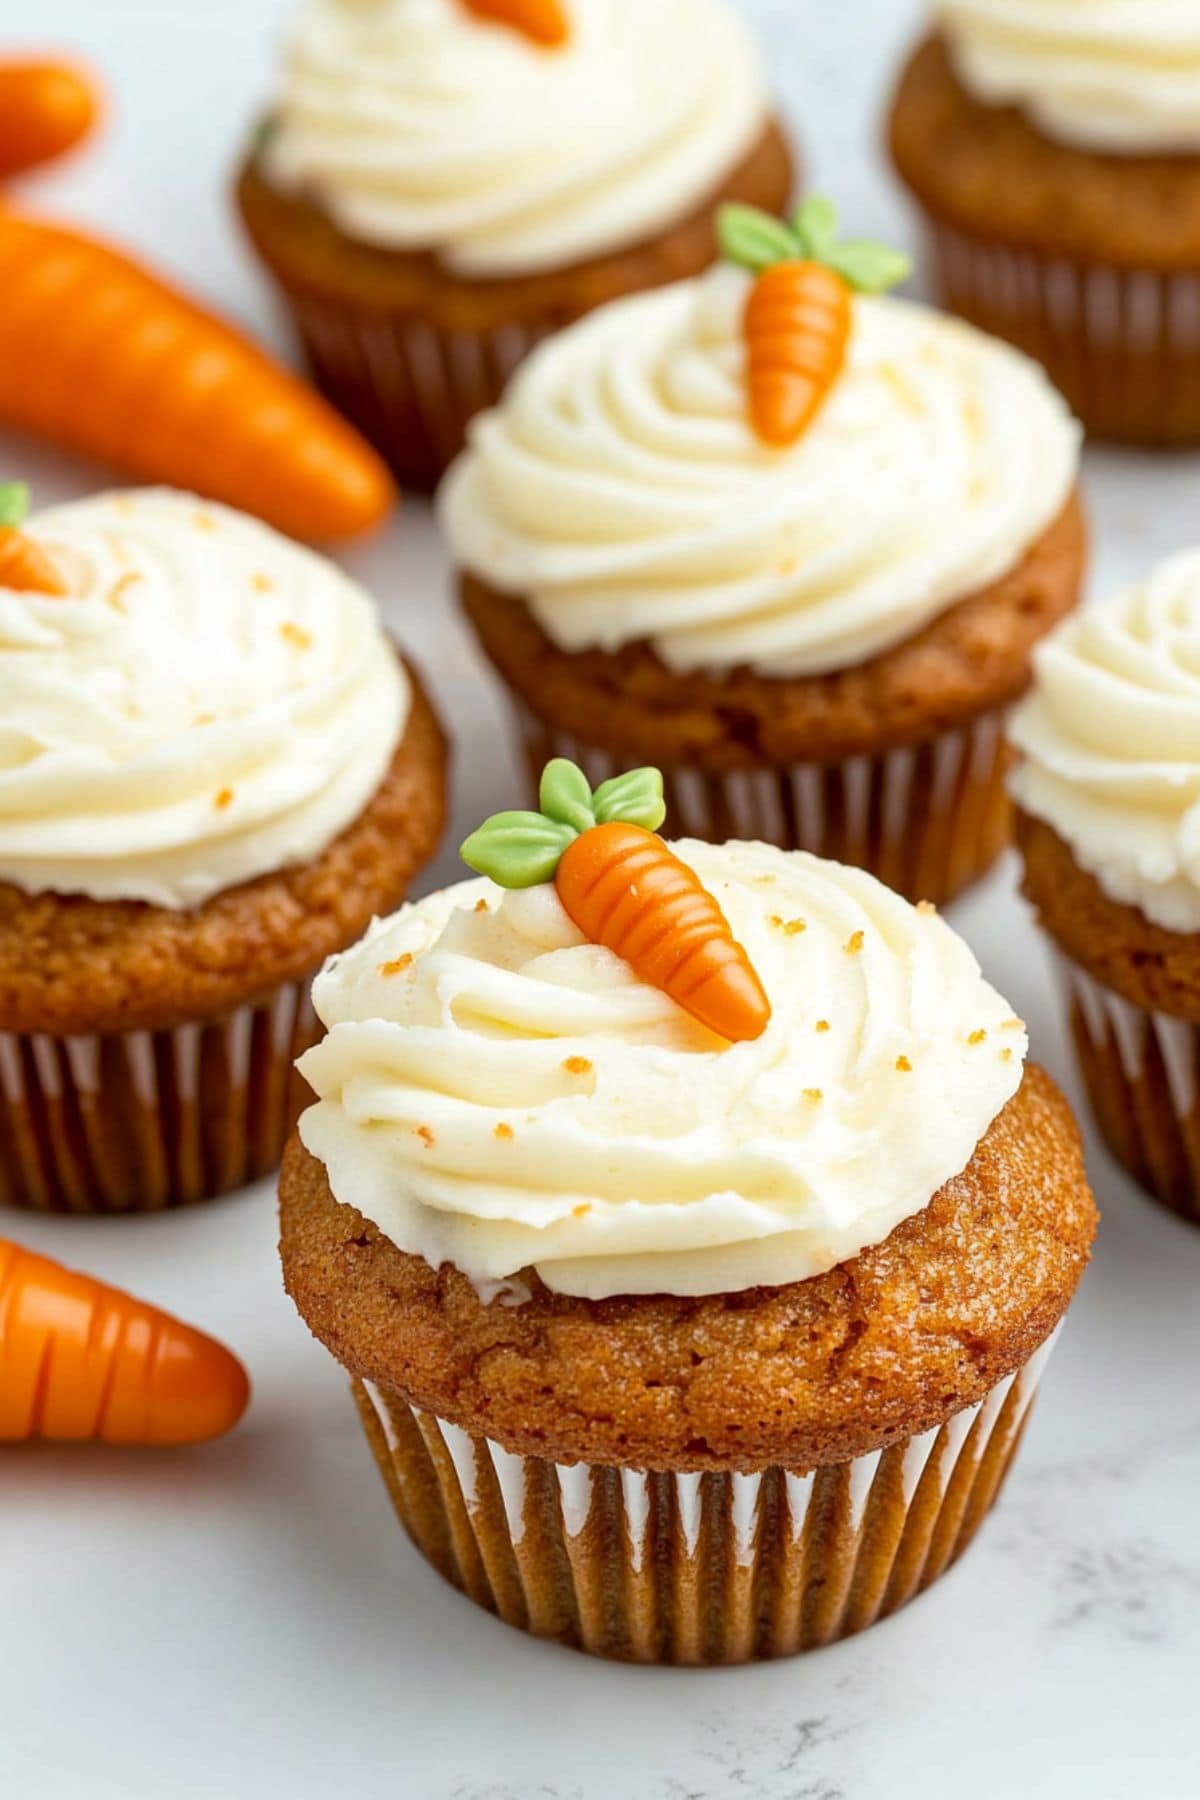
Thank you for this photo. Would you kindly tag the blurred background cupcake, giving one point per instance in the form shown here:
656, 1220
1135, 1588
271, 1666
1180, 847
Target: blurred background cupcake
214, 771
1054, 149
438, 186
815, 638
670, 1348
1109, 824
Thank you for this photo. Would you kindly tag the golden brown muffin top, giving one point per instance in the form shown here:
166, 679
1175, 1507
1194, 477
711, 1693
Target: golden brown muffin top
891, 1343
69, 964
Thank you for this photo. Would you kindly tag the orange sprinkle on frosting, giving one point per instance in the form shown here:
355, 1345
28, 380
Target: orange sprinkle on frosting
224, 799
426, 1136
855, 943
503, 1131
977, 1037
295, 635
397, 965
903, 1065
577, 1065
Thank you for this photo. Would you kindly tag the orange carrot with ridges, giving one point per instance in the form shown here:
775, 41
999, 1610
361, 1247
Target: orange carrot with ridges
24, 565
623, 887
103, 358
800, 311
46, 108
542, 20
81, 1360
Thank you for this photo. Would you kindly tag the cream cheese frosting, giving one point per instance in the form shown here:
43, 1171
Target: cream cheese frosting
496, 1092
1117, 76
1111, 742
620, 489
208, 702
419, 126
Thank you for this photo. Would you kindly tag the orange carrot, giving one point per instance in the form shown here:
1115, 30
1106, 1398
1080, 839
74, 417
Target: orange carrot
46, 108
79, 1360
624, 888
797, 328
800, 311
542, 20
103, 358
24, 565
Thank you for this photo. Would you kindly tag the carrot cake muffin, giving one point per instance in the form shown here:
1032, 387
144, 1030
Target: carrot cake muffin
440, 184
1109, 823
214, 771
672, 1347
815, 638
1053, 147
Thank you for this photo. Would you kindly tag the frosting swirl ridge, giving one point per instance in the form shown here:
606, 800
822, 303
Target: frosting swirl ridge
421, 127
496, 1092
1112, 75
619, 486
1111, 742
207, 702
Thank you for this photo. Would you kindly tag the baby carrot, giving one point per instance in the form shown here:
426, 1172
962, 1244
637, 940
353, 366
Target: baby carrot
79, 1360
46, 108
103, 358
542, 20
24, 565
623, 887
800, 313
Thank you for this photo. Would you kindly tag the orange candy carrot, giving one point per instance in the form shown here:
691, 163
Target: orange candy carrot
542, 20
46, 108
624, 888
101, 357
79, 1360
800, 312
24, 565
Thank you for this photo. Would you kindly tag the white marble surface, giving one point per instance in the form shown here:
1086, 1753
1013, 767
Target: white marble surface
249, 1621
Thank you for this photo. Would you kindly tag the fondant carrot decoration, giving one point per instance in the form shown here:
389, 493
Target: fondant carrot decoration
101, 357
626, 889
544, 21
46, 108
24, 565
800, 310
79, 1360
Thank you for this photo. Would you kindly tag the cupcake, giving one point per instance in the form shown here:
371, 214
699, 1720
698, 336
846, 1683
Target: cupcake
214, 771
690, 1227
442, 183
808, 595
1108, 793
1053, 147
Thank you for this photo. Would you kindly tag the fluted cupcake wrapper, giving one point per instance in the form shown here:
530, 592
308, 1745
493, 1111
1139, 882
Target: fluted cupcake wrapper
1122, 345
1142, 1073
694, 1568
410, 387
141, 1120
928, 819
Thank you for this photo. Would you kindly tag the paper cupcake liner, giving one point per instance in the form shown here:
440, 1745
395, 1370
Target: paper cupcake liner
694, 1568
1142, 1073
1122, 345
143, 1120
410, 387
928, 819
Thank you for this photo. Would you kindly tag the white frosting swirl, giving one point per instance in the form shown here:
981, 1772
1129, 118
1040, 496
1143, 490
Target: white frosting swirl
621, 490
420, 126
1119, 76
207, 703
1111, 739
498, 1093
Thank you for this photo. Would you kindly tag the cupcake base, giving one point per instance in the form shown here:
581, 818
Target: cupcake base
1142, 1073
928, 819
139, 1121
695, 1569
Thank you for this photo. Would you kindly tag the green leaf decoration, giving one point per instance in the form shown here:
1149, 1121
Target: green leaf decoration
517, 849
869, 268
815, 224
633, 799
14, 504
565, 795
754, 239
757, 241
